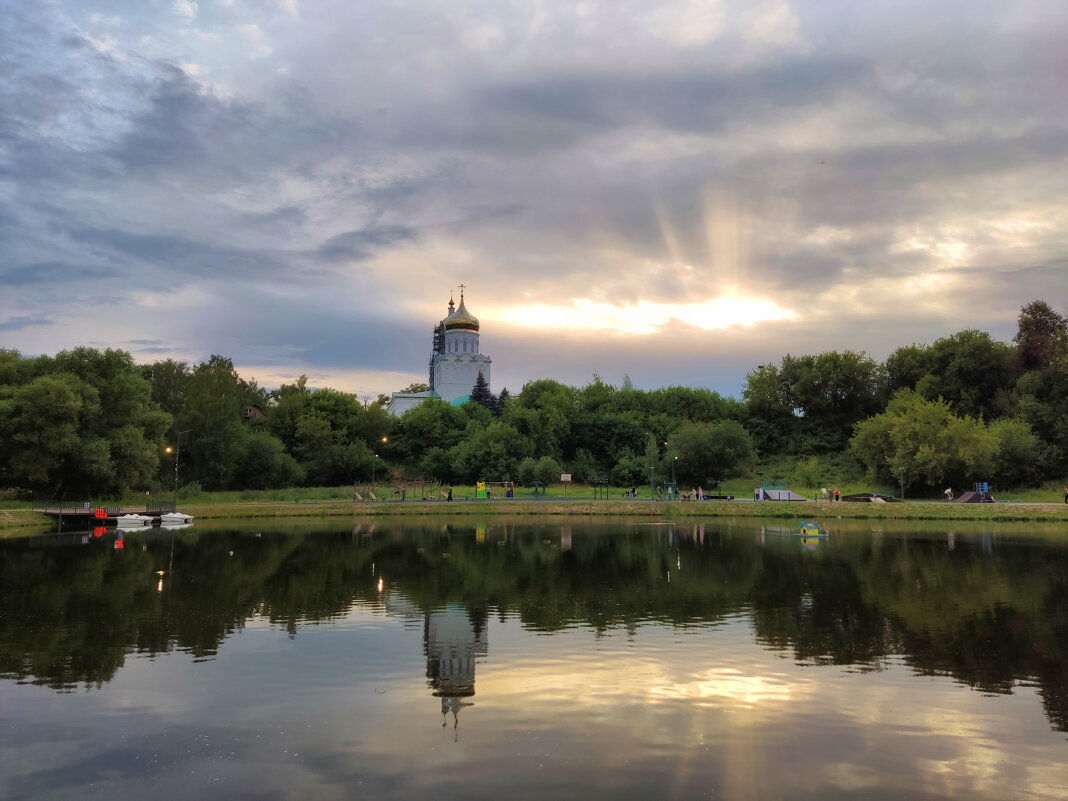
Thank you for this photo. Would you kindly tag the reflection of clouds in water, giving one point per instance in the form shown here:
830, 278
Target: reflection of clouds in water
946, 740
734, 687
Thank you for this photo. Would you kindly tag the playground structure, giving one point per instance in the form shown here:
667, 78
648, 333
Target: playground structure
776, 491
417, 490
981, 494
494, 490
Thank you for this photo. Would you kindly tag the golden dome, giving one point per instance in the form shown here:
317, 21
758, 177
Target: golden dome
461, 319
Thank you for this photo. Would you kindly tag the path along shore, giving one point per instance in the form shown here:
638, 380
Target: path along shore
23, 522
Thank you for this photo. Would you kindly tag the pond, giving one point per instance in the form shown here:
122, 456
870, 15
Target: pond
535, 660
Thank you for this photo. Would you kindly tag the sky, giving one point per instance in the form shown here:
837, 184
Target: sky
674, 193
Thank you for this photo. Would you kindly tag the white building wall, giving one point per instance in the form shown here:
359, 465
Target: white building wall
461, 342
455, 374
400, 402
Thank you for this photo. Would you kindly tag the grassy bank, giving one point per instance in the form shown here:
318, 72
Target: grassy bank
636, 508
21, 522
738, 488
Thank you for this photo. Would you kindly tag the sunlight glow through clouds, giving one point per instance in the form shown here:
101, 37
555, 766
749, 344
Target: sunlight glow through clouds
645, 317
932, 292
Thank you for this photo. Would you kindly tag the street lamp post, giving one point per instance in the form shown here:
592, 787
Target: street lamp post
375, 461
177, 448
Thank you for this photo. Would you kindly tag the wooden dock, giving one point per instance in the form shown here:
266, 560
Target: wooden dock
95, 515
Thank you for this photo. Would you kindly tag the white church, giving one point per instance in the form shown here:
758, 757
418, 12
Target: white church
454, 362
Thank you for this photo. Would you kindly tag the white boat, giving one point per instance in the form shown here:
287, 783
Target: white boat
175, 518
134, 521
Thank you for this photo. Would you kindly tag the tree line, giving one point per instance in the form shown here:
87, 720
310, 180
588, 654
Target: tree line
94, 423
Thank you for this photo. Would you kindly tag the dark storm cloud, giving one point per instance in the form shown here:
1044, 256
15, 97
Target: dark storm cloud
191, 256
261, 327
24, 322
54, 272
285, 216
185, 130
170, 132
362, 244
676, 100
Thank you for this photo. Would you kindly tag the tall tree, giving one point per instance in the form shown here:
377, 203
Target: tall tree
920, 442
480, 394
972, 372
906, 366
711, 451
1040, 333
212, 415
80, 424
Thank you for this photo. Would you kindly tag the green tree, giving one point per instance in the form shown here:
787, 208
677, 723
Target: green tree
548, 471
213, 415
770, 408
712, 451
972, 372
266, 465
1041, 333
528, 471
629, 470
1022, 459
83, 423
480, 394
492, 453
922, 443
810, 403
170, 381
287, 404
432, 424
436, 464
906, 366
555, 410
584, 467
831, 391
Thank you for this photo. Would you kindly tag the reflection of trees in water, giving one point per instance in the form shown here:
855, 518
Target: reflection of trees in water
990, 619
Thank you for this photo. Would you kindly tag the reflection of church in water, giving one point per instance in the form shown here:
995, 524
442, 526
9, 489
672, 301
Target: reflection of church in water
453, 640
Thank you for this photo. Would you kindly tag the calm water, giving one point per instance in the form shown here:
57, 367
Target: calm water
621, 661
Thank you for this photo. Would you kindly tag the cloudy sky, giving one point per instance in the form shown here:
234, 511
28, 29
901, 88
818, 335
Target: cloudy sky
676, 192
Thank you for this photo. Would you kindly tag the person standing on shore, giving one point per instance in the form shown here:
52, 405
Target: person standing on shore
837, 495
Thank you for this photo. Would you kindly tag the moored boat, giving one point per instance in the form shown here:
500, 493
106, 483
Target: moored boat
133, 521
175, 518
